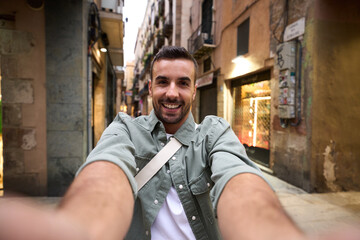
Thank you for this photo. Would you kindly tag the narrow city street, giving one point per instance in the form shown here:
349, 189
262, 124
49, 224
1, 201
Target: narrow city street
282, 75
314, 213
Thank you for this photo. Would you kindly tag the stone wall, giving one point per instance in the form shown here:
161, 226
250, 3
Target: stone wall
66, 42
22, 57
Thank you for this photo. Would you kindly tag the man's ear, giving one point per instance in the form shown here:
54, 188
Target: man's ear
194, 94
150, 89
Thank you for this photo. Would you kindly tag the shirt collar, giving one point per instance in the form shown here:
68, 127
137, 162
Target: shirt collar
185, 132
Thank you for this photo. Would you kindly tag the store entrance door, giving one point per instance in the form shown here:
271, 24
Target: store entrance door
252, 119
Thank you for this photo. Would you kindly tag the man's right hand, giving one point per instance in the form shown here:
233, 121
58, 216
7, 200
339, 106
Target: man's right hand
20, 220
98, 206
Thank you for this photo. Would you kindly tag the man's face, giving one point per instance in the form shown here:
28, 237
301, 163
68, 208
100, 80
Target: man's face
173, 91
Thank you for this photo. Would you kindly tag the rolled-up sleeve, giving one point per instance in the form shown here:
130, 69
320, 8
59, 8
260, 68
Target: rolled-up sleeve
227, 158
115, 146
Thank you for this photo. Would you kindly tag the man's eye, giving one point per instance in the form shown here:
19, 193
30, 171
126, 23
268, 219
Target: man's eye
162, 82
184, 83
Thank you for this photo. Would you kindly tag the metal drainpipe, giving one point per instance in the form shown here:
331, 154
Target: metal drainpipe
88, 102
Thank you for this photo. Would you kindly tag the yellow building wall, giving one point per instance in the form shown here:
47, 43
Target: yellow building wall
335, 102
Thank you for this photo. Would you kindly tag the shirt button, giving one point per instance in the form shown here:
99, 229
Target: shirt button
193, 218
168, 171
173, 158
181, 186
208, 184
137, 169
162, 144
156, 201
147, 233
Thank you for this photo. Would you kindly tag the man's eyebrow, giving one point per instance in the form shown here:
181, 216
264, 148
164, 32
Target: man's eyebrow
160, 77
185, 79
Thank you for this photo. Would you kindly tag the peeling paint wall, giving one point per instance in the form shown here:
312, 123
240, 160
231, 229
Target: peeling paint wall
336, 102
330, 166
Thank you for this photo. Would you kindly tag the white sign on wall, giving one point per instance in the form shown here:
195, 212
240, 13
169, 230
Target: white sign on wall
294, 30
205, 80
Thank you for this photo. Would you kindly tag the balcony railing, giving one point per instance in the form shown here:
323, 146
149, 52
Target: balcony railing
201, 42
161, 7
158, 42
168, 26
147, 61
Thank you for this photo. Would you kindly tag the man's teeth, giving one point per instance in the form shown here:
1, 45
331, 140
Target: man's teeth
171, 106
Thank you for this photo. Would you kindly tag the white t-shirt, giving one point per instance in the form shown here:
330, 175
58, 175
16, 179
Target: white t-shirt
171, 221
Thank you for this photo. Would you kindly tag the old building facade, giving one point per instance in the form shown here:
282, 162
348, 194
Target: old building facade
58, 88
281, 72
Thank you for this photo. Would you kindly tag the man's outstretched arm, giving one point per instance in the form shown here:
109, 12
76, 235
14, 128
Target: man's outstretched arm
249, 209
98, 205
102, 200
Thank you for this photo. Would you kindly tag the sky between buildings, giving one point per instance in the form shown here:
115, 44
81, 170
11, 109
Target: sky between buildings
134, 11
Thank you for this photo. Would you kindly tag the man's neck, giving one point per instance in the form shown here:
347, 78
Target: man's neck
172, 128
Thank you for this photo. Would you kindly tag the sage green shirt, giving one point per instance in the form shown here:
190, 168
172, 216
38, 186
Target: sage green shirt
210, 156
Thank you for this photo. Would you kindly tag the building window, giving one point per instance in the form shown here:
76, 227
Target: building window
243, 38
207, 65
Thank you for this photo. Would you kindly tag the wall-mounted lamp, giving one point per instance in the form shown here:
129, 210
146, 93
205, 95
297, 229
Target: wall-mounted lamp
242, 66
105, 42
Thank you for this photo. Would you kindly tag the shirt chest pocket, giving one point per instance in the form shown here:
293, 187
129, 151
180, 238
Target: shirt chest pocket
202, 183
141, 162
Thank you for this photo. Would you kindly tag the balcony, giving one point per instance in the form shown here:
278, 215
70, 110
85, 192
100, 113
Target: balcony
168, 26
112, 25
142, 74
147, 61
161, 7
149, 41
201, 43
158, 42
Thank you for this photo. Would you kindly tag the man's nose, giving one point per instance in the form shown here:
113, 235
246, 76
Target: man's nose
172, 91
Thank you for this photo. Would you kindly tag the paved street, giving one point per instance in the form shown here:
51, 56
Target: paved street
317, 212
314, 213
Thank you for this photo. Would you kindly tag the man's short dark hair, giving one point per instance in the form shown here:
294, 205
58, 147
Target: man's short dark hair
173, 52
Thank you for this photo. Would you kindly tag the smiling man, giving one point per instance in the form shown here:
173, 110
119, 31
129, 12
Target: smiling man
208, 180
173, 91
208, 185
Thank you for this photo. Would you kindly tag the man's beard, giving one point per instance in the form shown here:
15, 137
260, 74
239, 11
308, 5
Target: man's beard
163, 118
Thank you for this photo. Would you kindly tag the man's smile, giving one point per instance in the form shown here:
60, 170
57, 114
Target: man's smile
171, 105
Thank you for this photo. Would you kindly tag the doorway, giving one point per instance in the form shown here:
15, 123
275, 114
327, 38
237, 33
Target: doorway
251, 119
208, 100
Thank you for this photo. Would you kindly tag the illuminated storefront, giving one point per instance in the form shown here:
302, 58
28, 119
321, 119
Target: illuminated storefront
251, 117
